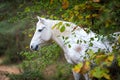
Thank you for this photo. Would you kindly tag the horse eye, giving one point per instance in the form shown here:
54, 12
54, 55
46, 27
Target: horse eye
40, 30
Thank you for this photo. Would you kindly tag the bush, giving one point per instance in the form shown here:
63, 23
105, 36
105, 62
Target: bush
27, 75
46, 59
13, 40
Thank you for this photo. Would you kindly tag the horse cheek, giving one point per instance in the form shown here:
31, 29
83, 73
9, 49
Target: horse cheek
46, 35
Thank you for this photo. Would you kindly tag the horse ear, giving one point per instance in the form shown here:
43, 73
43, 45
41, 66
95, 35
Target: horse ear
42, 20
38, 17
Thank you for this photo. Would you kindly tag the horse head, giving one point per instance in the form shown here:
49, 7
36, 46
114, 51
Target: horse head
41, 35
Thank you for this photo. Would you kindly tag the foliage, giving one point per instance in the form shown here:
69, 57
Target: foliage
44, 57
40, 60
63, 72
12, 40
98, 65
27, 75
95, 15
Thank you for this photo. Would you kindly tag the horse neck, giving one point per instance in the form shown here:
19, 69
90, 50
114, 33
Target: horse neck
57, 35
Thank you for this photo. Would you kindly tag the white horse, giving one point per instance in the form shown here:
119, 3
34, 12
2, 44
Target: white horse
74, 40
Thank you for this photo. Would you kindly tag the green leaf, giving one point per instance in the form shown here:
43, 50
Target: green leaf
27, 9
67, 24
63, 37
99, 72
119, 39
91, 39
54, 26
118, 59
59, 24
62, 29
91, 54
84, 41
69, 46
66, 38
91, 44
78, 41
100, 58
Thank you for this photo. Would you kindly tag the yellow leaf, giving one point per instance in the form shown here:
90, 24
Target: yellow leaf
86, 67
107, 24
94, 15
106, 76
110, 58
76, 7
80, 17
51, 1
54, 26
78, 67
88, 16
100, 58
65, 4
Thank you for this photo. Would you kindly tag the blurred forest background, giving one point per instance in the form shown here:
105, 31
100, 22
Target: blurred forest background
17, 25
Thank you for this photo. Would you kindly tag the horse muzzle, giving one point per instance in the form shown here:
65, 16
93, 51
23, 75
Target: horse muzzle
34, 47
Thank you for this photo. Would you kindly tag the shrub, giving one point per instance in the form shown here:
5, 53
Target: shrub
27, 75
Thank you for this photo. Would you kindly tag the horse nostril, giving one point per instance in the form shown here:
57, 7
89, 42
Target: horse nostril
36, 48
31, 47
